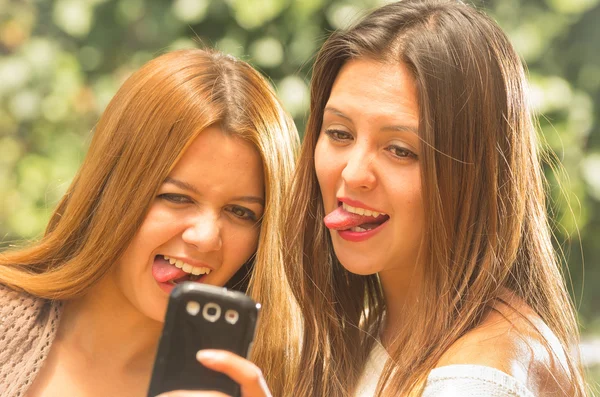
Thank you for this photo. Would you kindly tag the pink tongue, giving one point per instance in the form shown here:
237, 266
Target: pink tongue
340, 219
163, 271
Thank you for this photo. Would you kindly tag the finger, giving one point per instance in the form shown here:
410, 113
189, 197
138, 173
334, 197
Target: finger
190, 393
242, 371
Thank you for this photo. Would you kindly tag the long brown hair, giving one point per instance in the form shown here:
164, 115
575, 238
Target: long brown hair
146, 127
483, 192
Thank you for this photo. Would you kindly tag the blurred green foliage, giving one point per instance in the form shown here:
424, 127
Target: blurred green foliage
61, 61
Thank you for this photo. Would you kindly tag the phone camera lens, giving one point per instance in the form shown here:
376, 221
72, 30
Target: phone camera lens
211, 312
231, 316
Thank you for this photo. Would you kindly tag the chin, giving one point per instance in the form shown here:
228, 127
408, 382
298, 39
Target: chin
158, 317
355, 263
358, 267
156, 310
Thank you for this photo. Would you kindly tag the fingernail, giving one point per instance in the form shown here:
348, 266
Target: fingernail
207, 356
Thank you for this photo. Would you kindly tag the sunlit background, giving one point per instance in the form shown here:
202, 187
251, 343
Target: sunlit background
61, 62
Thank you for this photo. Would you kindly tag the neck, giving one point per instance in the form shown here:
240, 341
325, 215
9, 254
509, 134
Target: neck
104, 328
400, 289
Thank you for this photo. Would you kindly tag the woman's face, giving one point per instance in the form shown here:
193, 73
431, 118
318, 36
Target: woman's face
367, 165
203, 225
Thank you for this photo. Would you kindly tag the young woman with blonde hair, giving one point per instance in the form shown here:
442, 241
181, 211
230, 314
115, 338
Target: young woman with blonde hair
183, 180
417, 237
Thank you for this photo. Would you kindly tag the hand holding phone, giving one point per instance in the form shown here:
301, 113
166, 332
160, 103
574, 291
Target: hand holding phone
201, 317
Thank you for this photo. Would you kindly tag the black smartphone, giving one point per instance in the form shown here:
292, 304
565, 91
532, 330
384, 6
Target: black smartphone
201, 316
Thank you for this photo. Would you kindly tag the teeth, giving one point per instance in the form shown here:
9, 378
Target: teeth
200, 270
186, 267
357, 229
361, 211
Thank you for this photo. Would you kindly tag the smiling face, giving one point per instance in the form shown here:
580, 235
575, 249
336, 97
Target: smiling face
203, 225
367, 165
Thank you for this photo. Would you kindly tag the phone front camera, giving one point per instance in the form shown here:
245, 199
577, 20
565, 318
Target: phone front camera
211, 312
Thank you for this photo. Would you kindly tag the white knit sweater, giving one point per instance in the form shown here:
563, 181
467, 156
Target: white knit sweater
448, 381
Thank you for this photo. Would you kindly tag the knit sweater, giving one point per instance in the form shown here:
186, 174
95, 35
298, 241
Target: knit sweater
27, 328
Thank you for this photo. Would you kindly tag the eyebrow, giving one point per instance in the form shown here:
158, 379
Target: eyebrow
189, 187
401, 128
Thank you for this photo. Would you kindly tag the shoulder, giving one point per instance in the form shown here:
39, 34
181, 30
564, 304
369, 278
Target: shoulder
27, 327
20, 310
15, 303
473, 381
513, 339
20, 315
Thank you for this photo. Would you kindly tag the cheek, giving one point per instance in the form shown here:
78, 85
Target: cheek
252, 242
319, 161
326, 166
157, 228
241, 245
163, 223
406, 194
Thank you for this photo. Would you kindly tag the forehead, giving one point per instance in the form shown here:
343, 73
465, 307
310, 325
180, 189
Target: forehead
370, 86
225, 162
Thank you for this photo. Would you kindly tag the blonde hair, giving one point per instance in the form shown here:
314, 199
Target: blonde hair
145, 129
483, 193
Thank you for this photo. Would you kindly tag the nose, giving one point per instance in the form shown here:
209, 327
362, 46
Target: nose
204, 233
358, 172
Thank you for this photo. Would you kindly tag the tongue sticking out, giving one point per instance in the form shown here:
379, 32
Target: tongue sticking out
163, 271
340, 219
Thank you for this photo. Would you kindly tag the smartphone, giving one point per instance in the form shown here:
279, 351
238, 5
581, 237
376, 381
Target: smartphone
201, 316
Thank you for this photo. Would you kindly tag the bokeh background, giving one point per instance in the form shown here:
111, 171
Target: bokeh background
61, 62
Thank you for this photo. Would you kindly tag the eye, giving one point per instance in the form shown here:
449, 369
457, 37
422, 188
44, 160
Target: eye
242, 213
401, 152
338, 135
175, 198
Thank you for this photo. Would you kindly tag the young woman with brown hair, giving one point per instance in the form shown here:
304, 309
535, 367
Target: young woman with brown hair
437, 274
183, 180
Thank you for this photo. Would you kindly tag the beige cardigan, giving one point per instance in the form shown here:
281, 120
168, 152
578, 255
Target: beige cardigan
27, 328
